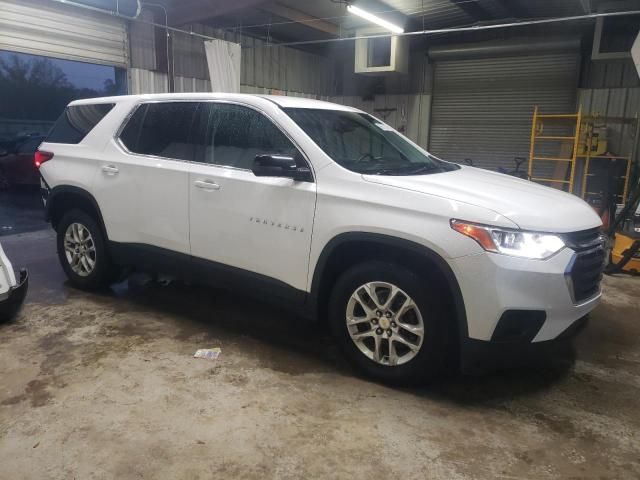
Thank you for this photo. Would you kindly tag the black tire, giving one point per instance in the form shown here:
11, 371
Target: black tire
430, 360
104, 271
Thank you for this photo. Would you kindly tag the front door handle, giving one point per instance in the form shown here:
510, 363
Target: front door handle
206, 185
110, 169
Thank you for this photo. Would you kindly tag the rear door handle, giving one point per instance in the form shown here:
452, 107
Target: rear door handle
206, 185
110, 170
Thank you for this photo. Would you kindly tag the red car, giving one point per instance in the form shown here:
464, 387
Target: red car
17, 165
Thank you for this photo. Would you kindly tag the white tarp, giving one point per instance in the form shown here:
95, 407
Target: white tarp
223, 59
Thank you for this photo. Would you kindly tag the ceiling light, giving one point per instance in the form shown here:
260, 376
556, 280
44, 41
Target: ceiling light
374, 19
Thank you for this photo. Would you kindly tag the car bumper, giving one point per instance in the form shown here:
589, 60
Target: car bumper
513, 303
479, 356
11, 301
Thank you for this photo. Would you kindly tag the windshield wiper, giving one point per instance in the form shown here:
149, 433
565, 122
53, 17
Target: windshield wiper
397, 171
424, 169
401, 170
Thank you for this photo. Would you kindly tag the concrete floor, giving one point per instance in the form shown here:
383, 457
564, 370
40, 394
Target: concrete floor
105, 386
21, 210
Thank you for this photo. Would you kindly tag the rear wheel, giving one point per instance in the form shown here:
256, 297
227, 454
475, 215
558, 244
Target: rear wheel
389, 322
82, 251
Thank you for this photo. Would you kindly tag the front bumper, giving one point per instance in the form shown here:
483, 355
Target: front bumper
14, 298
492, 284
536, 294
478, 356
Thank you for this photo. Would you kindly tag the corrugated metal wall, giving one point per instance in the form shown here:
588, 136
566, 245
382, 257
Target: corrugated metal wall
62, 31
263, 66
611, 74
612, 88
147, 81
142, 43
285, 68
290, 93
482, 107
418, 80
615, 102
188, 84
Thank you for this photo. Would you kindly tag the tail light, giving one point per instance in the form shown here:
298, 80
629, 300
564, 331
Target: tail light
40, 157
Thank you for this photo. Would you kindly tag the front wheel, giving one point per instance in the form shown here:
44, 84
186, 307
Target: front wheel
82, 251
389, 322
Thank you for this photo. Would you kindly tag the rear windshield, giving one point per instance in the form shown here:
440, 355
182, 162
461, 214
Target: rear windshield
76, 121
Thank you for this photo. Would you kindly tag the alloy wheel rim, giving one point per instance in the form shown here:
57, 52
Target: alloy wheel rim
80, 249
385, 323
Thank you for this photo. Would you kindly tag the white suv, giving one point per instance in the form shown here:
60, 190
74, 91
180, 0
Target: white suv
328, 211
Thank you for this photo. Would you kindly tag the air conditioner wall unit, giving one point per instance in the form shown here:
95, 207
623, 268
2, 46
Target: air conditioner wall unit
382, 53
613, 35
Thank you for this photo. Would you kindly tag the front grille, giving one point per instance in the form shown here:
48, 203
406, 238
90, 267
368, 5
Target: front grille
585, 273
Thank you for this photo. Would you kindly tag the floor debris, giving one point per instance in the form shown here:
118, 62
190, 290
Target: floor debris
208, 353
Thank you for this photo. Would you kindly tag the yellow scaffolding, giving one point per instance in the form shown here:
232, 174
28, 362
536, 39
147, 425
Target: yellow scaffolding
572, 121
581, 125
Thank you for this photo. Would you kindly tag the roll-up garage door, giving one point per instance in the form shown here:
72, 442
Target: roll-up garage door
62, 31
482, 107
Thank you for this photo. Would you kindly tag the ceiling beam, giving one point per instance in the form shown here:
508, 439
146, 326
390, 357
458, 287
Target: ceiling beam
474, 9
513, 9
307, 20
199, 11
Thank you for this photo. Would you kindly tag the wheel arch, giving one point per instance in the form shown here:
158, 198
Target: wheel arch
65, 197
347, 249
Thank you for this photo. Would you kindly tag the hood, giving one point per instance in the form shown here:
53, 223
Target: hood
530, 205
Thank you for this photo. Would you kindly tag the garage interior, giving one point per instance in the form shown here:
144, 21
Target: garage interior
104, 385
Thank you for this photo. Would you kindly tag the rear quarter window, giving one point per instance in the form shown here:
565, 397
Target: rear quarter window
162, 130
77, 121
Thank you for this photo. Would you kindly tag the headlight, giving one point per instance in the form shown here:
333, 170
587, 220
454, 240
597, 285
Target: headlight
516, 243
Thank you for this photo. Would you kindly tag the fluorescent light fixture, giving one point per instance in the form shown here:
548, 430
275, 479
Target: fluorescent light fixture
374, 19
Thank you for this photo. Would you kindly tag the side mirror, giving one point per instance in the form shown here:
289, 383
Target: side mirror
280, 166
3, 152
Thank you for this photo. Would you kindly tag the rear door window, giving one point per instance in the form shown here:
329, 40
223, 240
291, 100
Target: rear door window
76, 121
162, 130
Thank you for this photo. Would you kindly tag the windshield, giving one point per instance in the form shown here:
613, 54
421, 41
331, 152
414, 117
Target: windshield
363, 144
